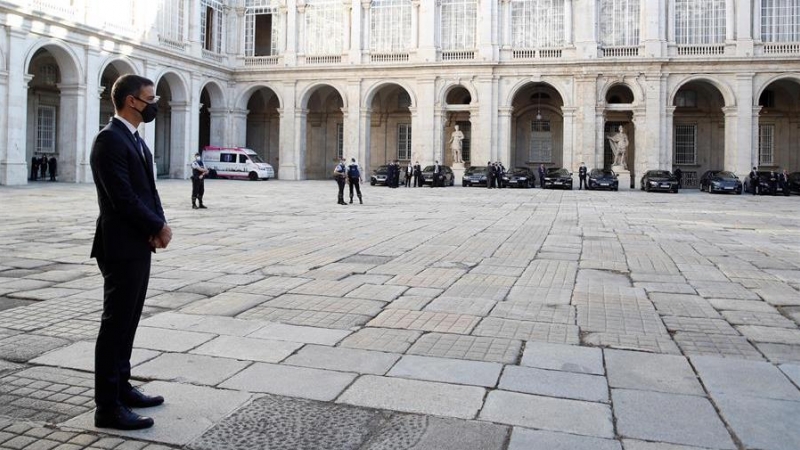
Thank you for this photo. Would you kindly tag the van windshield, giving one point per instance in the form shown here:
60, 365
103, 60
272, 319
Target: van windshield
255, 158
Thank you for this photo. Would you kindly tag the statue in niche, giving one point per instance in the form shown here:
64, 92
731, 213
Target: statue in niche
455, 144
619, 145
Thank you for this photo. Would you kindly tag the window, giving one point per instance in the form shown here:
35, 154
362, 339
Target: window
537, 23
780, 20
686, 99
541, 142
263, 28
324, 27
211, 20
170, 19
227, 157
699, 22
685, 144
48, 74
766, 145
46, 129
390, 26
242, 159
459, 20
340, 140
619, 22
404, 141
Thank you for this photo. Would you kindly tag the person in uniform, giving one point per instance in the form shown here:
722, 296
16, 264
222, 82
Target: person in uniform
390, 169
199, 172
754, 180
52, 166
582, 176
354, 179
417, 174
396, 173
340, 175
542, 174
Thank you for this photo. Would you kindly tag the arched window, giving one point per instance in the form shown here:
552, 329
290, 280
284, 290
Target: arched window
619, 23
537, 23
171, 20
263, 28
699, 22
780, 20
459, 20
324, 27
390, 25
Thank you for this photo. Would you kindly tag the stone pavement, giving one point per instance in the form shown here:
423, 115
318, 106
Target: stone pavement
426, 319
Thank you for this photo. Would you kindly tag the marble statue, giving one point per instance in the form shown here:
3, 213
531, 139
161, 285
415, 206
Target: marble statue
619, 145
455, 144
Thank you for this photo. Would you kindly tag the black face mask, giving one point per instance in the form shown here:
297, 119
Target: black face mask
149, 112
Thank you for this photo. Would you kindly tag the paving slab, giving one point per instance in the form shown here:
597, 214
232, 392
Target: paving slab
298, 333
467, 347
779, 353
225, 304
327, 304
343, 359
724, 304
547, 413
425, 321
173, 300
525, 439
634, 444
651, 372
654, 344
552, 383
693, 343
535, 312
80, 356
412, 432
166, 340
409, 303
529, 331
773, 335
547, 295
303, 382
566, 358
321, 319
447, 370
792, 371
683, 305
382, 339
24, 347
248, 349
699, 325
414, 396
202, 324
773, 427
744, 378
458, 305
767, 319
46, 394
721, 289
185, 415
377, 292
678, 419
187, 368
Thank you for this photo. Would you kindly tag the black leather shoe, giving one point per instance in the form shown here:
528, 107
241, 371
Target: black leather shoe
136, 399
202, 206
121, 418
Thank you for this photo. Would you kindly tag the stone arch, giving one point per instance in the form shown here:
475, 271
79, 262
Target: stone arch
449, 87
634, 88
780, 77
177, 84
519, 85
306, 94
122, 65
243, 98
377, 87
215, 92
68, 62
727, 93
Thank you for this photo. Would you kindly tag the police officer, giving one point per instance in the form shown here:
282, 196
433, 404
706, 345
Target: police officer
34, 168
340, 175
354, 179
754, 180
199, 172
582, 176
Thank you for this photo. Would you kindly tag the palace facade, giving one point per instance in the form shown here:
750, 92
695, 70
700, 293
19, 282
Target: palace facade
699, 84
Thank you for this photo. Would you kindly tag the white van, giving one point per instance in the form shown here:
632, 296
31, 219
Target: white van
236, 162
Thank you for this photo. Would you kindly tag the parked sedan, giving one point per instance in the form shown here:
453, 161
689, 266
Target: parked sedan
379, 176
474, 176
764, 185
794, 183
720, 181
659, 180
558, 178
521, 177
603, 179
447, 173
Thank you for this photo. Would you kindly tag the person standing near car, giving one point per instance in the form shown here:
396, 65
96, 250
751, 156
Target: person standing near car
199, 172
501, 173
773, 182
52, 167
417, 174
397, 171
754, 180
542, 174
409, 174
490, 174
679, 175
340, 174
783, 179
582, 176
437, 172
354, 179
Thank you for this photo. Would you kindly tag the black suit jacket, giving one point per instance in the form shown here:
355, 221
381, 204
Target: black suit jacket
130, 208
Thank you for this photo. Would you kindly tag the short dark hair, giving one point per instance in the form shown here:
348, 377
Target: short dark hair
128, 85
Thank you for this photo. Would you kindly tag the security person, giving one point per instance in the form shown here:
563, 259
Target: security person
783, 180
542, 174
199, 172
409, 174
417, 174
679, 175
437, 172
340, 174
582, 177
490, 174
773, 182
354, 179
754, 180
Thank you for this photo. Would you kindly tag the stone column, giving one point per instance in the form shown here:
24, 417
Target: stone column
14, 168
238, 127
568, 41
568, 146
219, 127
427, 124
488, 22
298, 155
665, 155
363, 152
93, 90
754, 144
195, 44
654, 27
505, 30
504, 134
195, 89
600, 139
585, 88
744, 134
360, 34
288, 135
585, 29
181, 149
300, 21
730, 21
655, 131
73, 160
640, 148
349, 26
732, 152
744, 27
356, 126
439, 120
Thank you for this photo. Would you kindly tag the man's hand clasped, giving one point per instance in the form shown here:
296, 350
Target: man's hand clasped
163, 238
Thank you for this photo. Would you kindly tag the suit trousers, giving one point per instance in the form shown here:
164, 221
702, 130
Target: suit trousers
124, 291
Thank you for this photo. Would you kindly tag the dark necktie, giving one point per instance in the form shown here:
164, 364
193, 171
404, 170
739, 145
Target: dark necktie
139, 145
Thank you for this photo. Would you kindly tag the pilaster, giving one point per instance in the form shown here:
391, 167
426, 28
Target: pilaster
428, 11
744, 129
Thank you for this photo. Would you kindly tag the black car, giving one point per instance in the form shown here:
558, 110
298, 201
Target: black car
474, 176
720, 181
379, 176
521, 177
602, 179
558, 178
659, 180
764, 183
794, 183
447, 173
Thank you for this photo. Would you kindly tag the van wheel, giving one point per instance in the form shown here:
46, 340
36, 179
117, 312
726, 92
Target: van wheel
212, 173
253, 176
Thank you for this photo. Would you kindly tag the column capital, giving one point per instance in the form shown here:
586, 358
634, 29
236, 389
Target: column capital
505, 111
415, 3
670, 110
366, 4
730, 111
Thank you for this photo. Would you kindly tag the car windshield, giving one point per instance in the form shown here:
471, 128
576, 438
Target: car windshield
602, 173
428, 169
382, 169
726, 175
255, 158
658, 173
557, 173
475, 169
520, 171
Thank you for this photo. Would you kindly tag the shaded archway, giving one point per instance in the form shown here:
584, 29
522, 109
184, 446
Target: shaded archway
204, 136
169, 150
213, 115
537, 127
777, 126
389, 127
263, 126
457, 110
698, 130
324, 132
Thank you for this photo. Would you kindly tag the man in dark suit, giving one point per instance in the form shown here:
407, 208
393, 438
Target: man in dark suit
542, 174
130, 227
437, 172
783, 182
490, 174
417, 174
754, 180
582, 176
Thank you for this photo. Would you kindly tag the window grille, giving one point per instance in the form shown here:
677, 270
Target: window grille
390, 26
458, 27
48, 74
766, 144
780, 20
541, 142
537, 23
171, 19
340, 140
619, 23
263, 28
211, 23
685, 144
699, 22
404, 141
324, 27
46, 129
